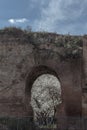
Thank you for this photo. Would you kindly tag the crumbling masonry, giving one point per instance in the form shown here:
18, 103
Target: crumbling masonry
22, 61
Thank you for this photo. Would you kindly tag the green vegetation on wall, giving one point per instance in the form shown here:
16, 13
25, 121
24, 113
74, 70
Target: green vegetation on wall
71, 45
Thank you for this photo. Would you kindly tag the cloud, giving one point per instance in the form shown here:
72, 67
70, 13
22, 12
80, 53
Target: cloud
62, 16
14, 21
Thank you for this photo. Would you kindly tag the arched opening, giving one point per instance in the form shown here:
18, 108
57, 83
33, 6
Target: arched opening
42, 81
36, 72
46, 95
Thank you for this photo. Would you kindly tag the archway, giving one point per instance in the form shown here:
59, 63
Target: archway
36, 72
46, 96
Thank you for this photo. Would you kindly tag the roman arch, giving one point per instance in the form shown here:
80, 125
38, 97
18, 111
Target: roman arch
46, 94
69, 105
35, 73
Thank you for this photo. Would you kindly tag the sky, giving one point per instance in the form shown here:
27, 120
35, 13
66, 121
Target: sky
60, 16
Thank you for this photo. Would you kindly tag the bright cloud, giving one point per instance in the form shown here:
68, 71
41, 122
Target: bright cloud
62, 16
14, 21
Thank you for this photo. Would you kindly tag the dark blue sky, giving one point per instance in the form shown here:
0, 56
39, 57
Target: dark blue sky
61, 16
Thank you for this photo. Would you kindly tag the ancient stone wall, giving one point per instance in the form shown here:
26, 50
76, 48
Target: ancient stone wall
84, 79
21, 63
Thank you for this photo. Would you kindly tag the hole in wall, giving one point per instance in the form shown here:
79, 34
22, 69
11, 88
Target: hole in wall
45, 97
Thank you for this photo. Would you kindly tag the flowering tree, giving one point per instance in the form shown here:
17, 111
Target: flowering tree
46, 95
46, 115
